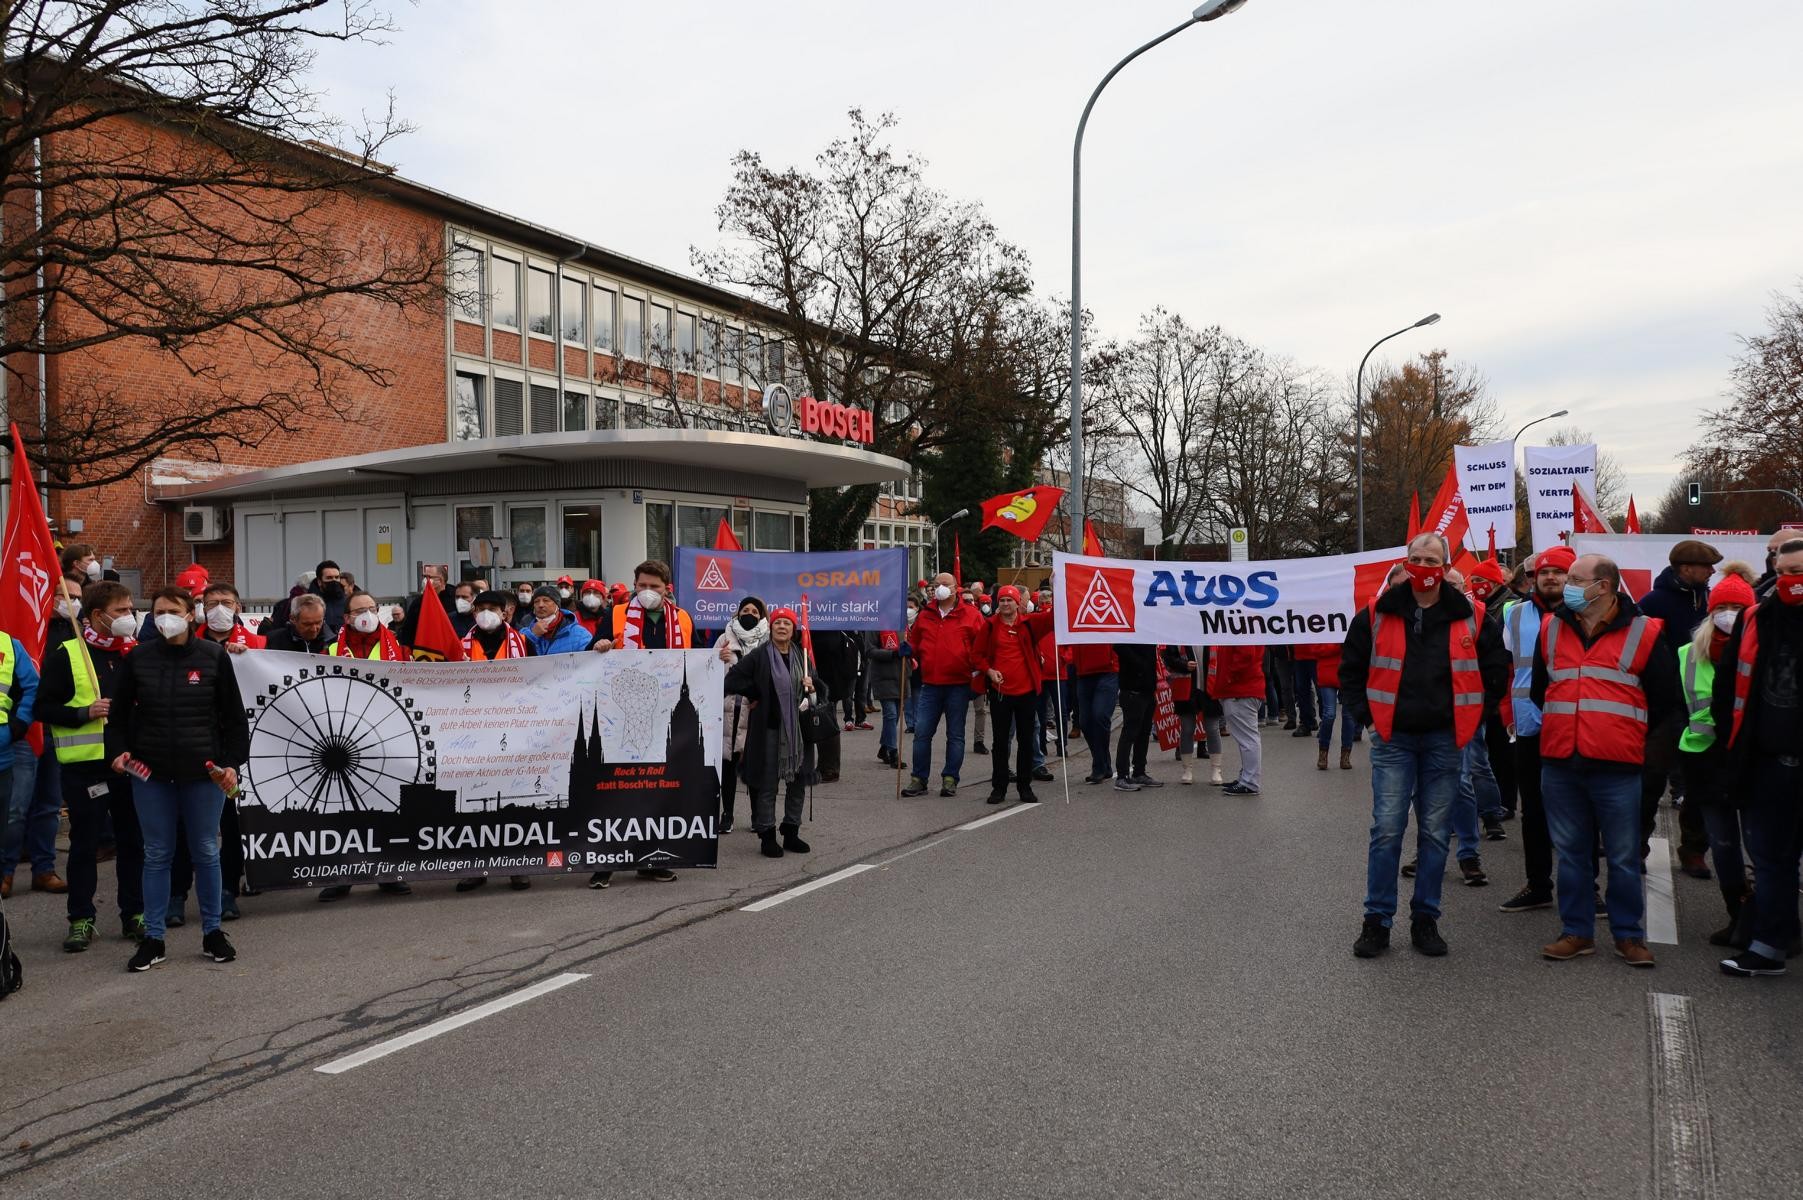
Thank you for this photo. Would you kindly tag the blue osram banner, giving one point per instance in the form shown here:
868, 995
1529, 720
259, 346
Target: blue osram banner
846, 589
1277, 602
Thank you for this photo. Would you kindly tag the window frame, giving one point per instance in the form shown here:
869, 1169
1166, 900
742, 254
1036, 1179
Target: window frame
517, 266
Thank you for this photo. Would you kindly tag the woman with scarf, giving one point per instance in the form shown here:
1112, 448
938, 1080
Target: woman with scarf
748, 630
777, 679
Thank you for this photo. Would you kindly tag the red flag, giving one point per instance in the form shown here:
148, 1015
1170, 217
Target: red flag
1584, 517
434, 640
1092, 545
1633, 517
1023, 513
724, 538
807, 632
1492, 543
29, 570
1446, 516
957, 561
1414, 515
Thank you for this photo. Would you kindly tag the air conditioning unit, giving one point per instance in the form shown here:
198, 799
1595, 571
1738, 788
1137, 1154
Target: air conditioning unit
203, 523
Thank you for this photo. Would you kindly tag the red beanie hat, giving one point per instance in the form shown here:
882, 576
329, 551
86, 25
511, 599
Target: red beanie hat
783, 612
1488, 570
1008, 592
1556, 556
193, 580
1731, 590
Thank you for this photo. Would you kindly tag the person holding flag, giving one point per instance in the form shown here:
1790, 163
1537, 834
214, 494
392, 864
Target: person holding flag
435, 636
777, 678
1008, 657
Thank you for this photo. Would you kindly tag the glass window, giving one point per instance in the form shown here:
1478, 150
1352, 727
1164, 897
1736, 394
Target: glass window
754, 360
772, 531
773, 360
575, 324
467, 289
685, 341
801, 532
657, 531
474, 521
510, 408
708, 360
696, 524
659, 333
526, 526
729, 355
637, 415
538, 301
604, 320
469, 412
632, 328
544, 409
582, 539
575, 410
607, 412
741, 525
504, 292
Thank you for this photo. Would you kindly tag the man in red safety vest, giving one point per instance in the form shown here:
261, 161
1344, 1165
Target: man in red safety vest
1602, 677
1419, 668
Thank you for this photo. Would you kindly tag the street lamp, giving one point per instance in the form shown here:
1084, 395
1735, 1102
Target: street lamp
1358, 406
963, 512
1549, 416
1164, 541
1209, 10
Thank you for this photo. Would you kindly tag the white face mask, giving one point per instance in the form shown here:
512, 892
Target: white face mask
463, 605
564, 592
488, 619
912, 613
126, 626
651, 598
591, 601
1724, 618
525, 597
66, 609
94, 571
365, 622
942, 593
220, 619
171, 625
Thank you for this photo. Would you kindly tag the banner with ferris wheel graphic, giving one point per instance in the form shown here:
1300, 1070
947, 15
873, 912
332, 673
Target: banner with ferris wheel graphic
370, 771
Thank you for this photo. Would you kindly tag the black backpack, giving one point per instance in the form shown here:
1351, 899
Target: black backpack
12, 975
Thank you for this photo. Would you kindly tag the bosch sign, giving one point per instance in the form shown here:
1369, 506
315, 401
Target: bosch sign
836, 421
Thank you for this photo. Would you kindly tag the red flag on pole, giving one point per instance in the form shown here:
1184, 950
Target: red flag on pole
434, 638
807, 633
1633, 517
28, 568
725, 538
1092, 545
1446, 516
957, 561
1414, 515
1493, 543
1023, 513
1584, 517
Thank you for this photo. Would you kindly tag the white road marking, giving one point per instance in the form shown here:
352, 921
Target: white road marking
1661, 907
811, 886
992, 818
1683, 1145
339, 1066
916, 850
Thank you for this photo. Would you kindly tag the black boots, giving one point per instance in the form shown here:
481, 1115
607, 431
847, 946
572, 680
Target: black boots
769, 848
792, 840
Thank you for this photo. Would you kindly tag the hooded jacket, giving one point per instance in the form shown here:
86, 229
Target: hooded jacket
1682, 606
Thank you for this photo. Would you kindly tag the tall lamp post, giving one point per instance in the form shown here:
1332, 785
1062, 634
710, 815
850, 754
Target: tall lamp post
1548, 417
1358, 410
963, 512
1209, 10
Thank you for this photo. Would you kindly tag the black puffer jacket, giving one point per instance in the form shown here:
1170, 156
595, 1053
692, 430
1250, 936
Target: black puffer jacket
176, 708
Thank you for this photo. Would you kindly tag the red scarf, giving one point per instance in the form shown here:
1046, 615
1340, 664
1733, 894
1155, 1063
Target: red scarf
632, 633
352, 644
512, 645
118, 645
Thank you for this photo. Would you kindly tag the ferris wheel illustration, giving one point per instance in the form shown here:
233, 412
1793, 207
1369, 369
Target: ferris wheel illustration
338, 737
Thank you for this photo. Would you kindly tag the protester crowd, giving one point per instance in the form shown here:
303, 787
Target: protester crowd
1546, 695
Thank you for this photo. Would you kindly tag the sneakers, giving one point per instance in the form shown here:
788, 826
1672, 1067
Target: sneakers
519, 883
394, 887
864, 725
1302, 731
1028, 797
916, 786
1568, 947
601, 879
1124, 784
1042, 775
1633, 951
948, 786
470, 884
148, 955
1408, 869
1101, 778
1236, 788
218, 947
132, 928
849, 727
997, 798
336, 892
228, 908
1473, 871
1147, 781
1188, 776
1494, 831
1424, 932
725, 825
1749, 964
979, 748
665, 874
81, 935
1526, 900
1374, 939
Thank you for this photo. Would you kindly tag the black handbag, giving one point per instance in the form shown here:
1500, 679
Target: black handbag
817, 724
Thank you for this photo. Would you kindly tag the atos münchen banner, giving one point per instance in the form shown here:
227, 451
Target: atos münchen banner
844, 589
1279, 602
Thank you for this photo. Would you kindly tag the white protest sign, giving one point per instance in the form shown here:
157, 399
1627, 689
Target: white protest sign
1487, 482
1550, 472
1642, 556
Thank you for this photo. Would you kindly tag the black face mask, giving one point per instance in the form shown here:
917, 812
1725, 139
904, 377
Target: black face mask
332, 590
749, 621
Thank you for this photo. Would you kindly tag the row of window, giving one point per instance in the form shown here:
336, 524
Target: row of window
493, 404
593, 312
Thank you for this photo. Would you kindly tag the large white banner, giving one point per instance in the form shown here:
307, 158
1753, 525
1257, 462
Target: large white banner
1641, 556
1273, 603
1550, 471
1487, 481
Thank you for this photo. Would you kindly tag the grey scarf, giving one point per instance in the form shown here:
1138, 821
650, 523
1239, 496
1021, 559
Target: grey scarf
783, 670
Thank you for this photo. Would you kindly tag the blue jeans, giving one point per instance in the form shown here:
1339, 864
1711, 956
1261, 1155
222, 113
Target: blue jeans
1418, 770
1579, 805
911, 707
1303, 671
1478, 794
891, 715
951, 700
32, 814
1330, 704
1723, 826
196, 805
1096, 697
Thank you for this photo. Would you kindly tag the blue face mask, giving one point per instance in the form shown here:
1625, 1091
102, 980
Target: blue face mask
1575, 599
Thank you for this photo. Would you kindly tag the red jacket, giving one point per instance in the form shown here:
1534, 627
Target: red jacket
945, 645
1026, 631
1094, 660
1326, 657
1054, 660
1236, 673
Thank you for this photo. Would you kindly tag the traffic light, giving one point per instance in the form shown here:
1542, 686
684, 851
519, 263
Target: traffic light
1696, 494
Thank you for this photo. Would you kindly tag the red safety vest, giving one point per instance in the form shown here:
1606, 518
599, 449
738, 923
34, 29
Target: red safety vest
1595, 704
1743, 672
1390, 644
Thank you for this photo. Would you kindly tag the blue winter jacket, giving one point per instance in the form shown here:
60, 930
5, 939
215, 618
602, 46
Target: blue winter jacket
567, 638
24, 694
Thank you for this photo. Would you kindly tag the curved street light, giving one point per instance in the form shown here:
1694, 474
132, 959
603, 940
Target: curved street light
963, 512
1209, 10
1564, 412
1358, 406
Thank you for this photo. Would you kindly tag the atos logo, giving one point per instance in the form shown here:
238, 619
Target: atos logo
1256, 591
1104, 598
713, 575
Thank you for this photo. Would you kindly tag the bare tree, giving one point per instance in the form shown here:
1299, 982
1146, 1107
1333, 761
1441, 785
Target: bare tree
172, 186
1273, 442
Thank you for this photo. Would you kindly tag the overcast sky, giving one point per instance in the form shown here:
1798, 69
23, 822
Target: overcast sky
1598, 196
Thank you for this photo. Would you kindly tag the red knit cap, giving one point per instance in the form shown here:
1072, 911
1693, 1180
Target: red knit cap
783, 613
1560, 557
1489, 570
193, 579
1731, 590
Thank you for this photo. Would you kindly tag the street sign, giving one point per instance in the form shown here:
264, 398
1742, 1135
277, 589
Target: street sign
1238, 549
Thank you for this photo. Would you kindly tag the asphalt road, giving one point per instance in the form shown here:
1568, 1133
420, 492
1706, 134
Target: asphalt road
1125, 995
